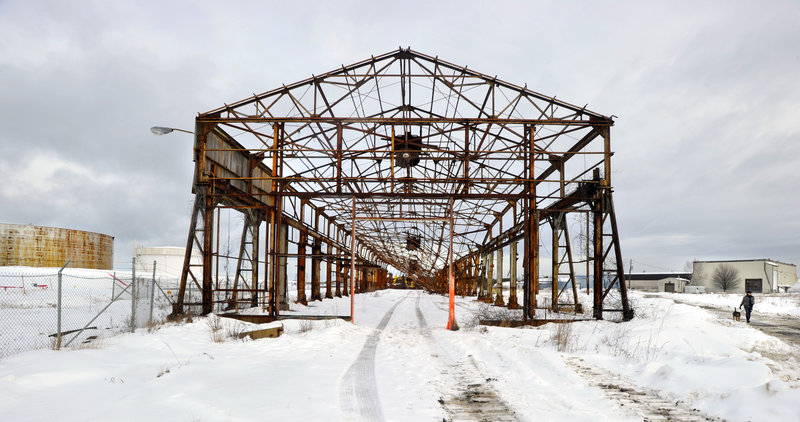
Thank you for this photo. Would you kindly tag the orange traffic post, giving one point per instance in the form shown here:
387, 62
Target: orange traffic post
353, 265
451, 320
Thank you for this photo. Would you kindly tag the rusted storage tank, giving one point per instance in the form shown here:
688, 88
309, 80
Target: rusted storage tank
37, 246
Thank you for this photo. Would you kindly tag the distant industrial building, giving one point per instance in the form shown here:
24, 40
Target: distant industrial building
659, 282
756, 275
37, 246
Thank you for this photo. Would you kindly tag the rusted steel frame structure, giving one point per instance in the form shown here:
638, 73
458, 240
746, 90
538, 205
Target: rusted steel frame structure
399, 147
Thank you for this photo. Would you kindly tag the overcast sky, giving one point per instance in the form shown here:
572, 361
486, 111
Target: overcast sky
706, 94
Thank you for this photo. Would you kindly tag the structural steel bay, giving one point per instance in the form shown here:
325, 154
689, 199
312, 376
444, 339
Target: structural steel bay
410, 154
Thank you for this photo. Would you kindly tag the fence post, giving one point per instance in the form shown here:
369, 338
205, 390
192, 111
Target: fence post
58, 334
113, 284
133, 295
152, 294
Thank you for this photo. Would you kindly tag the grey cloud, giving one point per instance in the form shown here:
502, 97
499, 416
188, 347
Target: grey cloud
706, 154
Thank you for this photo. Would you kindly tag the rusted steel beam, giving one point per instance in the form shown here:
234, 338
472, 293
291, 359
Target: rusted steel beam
499, 301
411, 195
301, 259
532, 238
377, 66
316, 250
598, 259
339, 158
512, 258
208, 255
402, 120
555, 251
186, 272
277, 212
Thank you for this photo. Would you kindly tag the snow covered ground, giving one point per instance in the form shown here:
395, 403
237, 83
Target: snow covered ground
398, 363
29, 305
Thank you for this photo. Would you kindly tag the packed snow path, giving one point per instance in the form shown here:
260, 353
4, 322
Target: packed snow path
473, 400
358, 392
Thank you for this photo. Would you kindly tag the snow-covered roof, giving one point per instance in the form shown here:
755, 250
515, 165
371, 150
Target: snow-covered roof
767, 260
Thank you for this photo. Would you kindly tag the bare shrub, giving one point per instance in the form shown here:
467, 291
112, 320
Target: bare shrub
488, 312
154, 325
617, 340
620, 343
214, 322
562, 337
235, 331
306, 325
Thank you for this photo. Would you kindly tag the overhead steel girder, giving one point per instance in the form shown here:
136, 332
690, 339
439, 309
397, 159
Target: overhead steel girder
413, 140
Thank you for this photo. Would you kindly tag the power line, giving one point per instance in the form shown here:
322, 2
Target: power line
655, 266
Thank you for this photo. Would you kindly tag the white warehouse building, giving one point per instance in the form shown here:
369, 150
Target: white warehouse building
756, 275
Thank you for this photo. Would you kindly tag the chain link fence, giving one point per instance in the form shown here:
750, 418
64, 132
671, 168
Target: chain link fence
56, 308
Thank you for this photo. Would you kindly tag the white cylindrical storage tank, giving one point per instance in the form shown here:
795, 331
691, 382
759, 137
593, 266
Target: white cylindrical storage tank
168, 260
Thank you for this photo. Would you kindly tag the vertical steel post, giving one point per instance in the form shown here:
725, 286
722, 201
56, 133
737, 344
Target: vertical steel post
489, 277
329, 264
316, 250
586, 277
216, 254
532, 214
152, 295
598, 255
133, 295
274, 291
481, 275
339, 157
499, 301
555, 228
301, 258
391, 162
338, 263
512, 260
208, 254
58, 317
256, 227
265, 297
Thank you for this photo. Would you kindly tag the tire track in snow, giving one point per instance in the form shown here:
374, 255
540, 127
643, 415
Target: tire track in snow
635, 399
474, 399
358, 391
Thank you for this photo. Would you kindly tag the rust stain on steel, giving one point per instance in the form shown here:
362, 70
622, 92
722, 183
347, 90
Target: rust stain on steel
38, 246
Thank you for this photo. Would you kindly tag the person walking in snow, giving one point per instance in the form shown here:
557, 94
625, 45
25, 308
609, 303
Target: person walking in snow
748, 301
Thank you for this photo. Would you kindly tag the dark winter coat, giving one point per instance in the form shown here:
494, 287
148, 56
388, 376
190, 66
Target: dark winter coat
748, 302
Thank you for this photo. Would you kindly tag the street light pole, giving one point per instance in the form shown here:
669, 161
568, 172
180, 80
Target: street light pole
161, 130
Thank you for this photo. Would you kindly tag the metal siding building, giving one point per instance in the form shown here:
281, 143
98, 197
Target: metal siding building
37, 246
758, 275
658, 282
